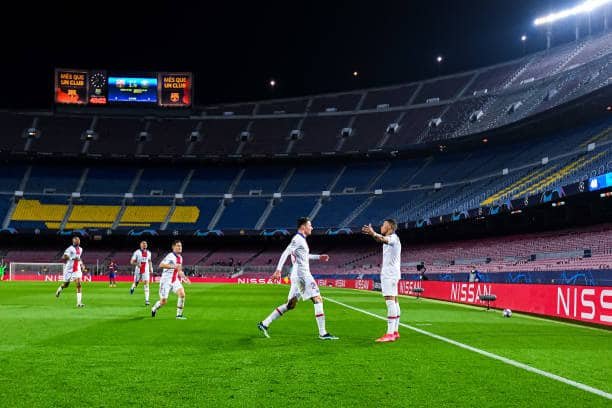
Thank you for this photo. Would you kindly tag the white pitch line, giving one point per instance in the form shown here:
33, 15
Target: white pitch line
480, 307
508, 361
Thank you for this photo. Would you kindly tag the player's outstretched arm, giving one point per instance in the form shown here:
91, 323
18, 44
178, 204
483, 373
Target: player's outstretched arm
368, 230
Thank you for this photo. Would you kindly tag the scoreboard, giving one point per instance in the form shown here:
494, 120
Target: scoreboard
100, 88
71, 87
174, 89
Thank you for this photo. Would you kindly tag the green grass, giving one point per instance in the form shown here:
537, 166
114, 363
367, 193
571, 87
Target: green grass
112, 353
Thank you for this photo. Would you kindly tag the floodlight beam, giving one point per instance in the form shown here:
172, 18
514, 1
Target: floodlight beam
585, 7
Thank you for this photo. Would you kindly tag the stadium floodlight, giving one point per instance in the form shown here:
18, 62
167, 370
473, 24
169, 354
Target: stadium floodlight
272, 83
585, 7
523, 38
439, 58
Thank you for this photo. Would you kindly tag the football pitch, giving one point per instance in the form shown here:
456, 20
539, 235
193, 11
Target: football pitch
112, 353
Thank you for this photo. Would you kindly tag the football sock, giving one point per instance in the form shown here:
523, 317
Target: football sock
320, 316
180, 303
276, 313
391, 316
397, 321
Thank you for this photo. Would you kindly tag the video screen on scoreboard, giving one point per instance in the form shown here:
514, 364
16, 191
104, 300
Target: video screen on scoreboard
71, 87
132, 89
100, 88
174, 89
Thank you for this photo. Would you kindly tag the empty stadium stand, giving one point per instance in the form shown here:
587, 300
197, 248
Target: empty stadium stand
397, 117
246, 166
267, 196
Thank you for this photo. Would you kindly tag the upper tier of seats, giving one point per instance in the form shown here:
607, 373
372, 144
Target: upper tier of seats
391, 118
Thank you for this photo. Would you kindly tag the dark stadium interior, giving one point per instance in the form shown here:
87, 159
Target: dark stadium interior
481, 142
181, 168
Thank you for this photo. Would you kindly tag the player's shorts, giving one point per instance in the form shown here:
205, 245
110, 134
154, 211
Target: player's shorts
166, 285
141, 276
111, 276
304, 288
389, 286
70, 276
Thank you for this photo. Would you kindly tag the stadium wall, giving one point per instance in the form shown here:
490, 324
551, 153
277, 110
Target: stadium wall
588, 304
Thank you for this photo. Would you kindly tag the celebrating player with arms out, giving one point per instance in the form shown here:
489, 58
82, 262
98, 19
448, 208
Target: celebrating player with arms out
390, 274
141, 259
303, 284
73, 270
172, 276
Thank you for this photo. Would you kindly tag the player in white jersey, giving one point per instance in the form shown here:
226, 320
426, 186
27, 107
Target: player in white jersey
303, 284
73, 269
171, 280
143, 266
390, 274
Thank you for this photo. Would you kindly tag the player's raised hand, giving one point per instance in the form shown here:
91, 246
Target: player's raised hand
367, 229
276, 274
324, 257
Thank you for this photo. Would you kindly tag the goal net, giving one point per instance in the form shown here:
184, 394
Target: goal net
36, 271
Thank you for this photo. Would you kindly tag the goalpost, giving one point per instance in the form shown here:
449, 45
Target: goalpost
36, 270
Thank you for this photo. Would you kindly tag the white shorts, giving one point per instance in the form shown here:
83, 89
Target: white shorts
165, 285
141, 276
389, 286
304, 288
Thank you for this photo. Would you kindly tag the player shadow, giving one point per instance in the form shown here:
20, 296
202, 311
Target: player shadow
134, 318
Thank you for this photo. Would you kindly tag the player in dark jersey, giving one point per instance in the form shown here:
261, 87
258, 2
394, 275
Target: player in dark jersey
112, 272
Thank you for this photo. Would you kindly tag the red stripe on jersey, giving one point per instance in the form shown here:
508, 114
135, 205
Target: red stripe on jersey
143, 265
75, 263
320, 315
179, 261
279, 312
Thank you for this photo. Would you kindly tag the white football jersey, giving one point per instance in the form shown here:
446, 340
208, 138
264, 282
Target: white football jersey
171, 259
392, 259
142, 258
300, 256
72, 264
